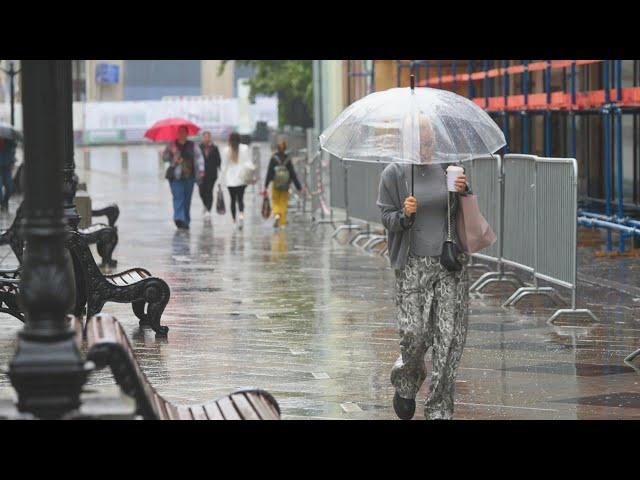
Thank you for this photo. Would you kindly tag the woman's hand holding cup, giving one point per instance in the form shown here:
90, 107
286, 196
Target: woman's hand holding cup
461, 183
410, 206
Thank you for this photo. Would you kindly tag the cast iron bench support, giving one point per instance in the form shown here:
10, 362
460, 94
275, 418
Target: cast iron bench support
148, 295
109, 346
104, 236
112, 212
12, 238
9, 291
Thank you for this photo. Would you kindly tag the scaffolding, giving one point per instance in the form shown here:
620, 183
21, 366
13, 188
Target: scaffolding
588, 92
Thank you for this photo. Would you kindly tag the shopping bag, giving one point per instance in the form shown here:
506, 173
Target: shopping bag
474, 232
266, 207
220, 208
248, 173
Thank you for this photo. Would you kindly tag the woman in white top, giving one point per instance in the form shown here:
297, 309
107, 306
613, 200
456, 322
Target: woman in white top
235, 160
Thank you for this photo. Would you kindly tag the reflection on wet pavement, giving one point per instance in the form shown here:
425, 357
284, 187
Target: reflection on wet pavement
312, 320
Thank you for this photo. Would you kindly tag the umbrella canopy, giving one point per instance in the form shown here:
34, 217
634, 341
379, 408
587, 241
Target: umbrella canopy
167, 130
9, 133
412, 125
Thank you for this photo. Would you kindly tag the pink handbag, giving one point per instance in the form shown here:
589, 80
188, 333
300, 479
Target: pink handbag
474, 232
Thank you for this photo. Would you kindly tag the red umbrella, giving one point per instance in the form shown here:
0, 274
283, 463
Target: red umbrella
167, 130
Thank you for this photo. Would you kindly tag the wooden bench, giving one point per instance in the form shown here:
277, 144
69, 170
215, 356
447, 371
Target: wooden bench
104, 236
147, 294
112, 212
9, 291
109, 346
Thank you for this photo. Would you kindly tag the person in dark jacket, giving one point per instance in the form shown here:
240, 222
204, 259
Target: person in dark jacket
281, 173
7, 160
211, 156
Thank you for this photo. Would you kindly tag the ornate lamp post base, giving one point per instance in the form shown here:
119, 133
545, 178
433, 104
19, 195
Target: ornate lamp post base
48, 381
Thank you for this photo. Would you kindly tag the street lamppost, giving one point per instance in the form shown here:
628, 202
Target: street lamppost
12, 72
47, 371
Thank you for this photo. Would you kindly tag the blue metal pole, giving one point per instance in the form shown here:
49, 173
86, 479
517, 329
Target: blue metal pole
618, 134
619, 80
547, 114
607, 166
427, 71
470, 82
605, 75
440, 74
415, 71
485, 85
453, 72
505, 85
573, 83
571, 112
525, 113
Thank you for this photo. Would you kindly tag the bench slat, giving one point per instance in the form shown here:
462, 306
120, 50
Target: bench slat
184, 413
227, 409
198, 412
264, 407
160, 407
172, 410
118, 280
213, 412
246, 409
135, 276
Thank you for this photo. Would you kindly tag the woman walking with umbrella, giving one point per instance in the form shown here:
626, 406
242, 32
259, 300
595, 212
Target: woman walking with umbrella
432, 301
419, 132
185, 165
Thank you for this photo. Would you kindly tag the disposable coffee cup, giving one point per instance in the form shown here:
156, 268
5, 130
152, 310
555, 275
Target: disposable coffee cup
453, 173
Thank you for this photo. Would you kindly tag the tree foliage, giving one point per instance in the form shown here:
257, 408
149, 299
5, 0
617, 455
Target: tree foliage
290, 80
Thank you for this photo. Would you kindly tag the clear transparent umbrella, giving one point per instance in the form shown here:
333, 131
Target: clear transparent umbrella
412, 125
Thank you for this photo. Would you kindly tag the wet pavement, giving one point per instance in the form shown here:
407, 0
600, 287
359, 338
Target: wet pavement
311, 319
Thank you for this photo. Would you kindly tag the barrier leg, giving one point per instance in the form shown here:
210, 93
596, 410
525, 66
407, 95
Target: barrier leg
495, 277
526, 291
629, 360
569, 311
373, 241
515, 282
345, 227
356, 238
632, 357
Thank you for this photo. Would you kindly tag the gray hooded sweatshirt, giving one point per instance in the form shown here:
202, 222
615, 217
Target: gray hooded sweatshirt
393, 190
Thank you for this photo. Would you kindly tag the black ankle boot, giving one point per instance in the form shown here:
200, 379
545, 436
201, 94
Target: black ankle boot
404, 407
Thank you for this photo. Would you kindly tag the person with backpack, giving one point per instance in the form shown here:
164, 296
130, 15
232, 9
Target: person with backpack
281, 173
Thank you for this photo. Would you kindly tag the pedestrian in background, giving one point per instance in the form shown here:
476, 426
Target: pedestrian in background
7, 160
236, 162
212, 165
432, 301
185, 165
281, 173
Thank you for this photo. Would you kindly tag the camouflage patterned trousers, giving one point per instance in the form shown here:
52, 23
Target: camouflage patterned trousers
432, 312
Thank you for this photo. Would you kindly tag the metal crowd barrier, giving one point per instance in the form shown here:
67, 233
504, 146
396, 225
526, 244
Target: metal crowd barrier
485, 177
536, 227
341, 173
317, 191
